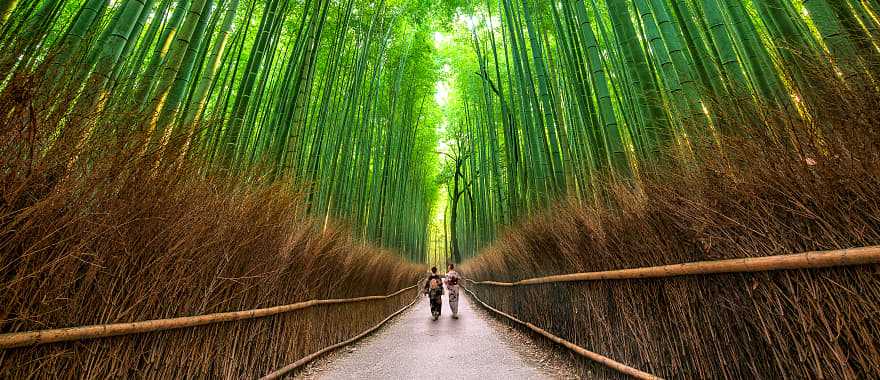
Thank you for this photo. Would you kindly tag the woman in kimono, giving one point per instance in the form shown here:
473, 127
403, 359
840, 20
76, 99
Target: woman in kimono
434, 291
452, 279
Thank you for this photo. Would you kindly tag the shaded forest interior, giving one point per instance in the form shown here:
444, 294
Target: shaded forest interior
175, 157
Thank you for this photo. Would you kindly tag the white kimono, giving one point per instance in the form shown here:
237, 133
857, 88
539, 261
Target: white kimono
452, 279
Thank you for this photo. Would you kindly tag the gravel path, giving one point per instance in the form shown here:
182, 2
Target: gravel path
412, 346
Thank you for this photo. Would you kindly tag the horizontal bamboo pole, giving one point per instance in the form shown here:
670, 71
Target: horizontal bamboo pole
299, 363
604, 360
33, 338
806, 260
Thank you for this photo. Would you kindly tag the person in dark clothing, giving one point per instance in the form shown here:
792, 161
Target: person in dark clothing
434, 291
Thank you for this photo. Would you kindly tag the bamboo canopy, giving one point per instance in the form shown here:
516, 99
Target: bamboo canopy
342, 95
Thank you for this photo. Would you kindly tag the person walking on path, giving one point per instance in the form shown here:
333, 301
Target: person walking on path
452, 279
434, 290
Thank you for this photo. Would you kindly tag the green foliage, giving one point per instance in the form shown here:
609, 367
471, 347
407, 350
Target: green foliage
546, 99
335, 95
552, 99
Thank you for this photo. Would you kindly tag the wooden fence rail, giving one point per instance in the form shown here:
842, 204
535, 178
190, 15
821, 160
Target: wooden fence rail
33, 338
806, 260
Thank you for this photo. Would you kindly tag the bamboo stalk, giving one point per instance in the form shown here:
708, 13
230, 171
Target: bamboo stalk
604, 360
33, 338
301, 362
806, 260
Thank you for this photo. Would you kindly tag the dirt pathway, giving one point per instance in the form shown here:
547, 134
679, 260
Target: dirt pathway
414, 347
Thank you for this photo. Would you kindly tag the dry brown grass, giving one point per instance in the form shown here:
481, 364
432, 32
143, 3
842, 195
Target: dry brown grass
782, 184
99, 233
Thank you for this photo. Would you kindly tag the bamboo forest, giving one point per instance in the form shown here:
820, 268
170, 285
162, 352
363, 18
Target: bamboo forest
177, 158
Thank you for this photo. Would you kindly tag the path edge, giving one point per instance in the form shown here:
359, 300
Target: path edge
601, 359
311, 357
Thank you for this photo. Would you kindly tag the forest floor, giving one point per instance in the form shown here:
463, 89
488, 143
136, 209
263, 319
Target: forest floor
412, 346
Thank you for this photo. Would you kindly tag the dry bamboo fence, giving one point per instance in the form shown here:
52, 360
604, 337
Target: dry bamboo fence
806, 260
604, 360
301, 362
33, 338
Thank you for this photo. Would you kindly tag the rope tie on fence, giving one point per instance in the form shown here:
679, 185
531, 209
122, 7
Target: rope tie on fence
33, 338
